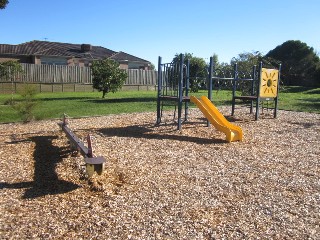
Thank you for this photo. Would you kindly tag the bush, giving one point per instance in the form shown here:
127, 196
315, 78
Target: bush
27, 104
107, 76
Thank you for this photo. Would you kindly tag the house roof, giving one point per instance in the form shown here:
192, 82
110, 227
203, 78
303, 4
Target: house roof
120, 56
45, 48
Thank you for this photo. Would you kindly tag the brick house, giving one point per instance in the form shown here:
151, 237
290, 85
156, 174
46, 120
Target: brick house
55, 53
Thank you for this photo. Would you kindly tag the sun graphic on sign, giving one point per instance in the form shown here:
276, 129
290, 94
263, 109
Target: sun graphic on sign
269, 82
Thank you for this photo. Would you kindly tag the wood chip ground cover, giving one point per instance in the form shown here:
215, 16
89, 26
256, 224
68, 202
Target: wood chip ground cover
160, 183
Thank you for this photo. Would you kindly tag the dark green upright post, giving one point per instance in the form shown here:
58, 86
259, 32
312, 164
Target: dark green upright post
276, 99
254, 68
159, 91
234, 87
186, 106
258, 91
210, 83
180, 91
210, 79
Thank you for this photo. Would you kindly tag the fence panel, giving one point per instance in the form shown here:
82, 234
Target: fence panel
64, 75
35, 73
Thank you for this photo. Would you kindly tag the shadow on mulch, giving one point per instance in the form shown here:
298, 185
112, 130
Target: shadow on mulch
147, 132
45, 180
304, 124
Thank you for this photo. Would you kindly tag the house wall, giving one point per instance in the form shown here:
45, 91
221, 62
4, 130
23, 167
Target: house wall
137, 65
36, 60
134, 65
20, 59
78, 62
123, 65
60, 61
4, 59
54, 60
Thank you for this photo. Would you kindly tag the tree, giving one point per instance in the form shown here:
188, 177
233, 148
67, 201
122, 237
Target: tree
247, 60
107, 76
215, 59
223, 70
198, 70
10, 69
152, 66
3, 4
300, 63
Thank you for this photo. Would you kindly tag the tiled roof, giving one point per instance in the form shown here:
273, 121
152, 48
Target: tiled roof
125, 56
8, 49
46, 48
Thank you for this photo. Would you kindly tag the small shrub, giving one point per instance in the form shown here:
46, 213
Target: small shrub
27, 103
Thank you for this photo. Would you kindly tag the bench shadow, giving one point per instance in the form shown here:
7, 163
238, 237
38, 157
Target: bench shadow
45, 179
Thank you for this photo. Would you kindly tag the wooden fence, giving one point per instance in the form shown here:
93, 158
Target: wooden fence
72, 78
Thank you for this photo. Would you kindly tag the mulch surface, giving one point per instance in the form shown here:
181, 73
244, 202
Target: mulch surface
161, 183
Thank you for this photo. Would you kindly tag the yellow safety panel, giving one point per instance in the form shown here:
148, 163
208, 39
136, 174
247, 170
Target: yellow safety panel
269, 83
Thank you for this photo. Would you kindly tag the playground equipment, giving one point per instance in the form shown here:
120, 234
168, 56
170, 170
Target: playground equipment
232, 132
264, 85
92, 163
173, 87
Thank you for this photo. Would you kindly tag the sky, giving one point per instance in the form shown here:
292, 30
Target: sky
148, 29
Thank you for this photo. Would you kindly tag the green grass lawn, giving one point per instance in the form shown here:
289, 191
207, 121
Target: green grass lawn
300, 99
77, 104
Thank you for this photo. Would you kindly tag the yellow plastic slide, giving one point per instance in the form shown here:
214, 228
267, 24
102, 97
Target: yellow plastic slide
233, 132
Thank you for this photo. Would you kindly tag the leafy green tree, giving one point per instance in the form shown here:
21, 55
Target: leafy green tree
10, 69
107, 76
246, 61
223, 70
152, 66
3, 4
216, 63
300, 63
198, 70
